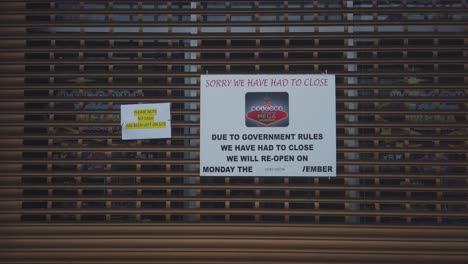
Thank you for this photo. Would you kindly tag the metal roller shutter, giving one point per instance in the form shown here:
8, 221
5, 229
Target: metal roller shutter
73, 191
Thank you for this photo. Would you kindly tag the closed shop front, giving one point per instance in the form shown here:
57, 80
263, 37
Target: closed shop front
72, 191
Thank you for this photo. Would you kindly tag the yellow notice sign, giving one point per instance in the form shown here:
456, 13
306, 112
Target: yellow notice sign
146, 119
142, 121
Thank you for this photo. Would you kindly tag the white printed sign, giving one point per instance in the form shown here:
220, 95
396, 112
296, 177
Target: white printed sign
268, 125
146, 121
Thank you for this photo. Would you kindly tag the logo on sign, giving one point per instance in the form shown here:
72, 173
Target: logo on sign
267, 109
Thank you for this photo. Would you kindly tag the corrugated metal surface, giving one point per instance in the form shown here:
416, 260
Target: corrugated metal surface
71, 190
